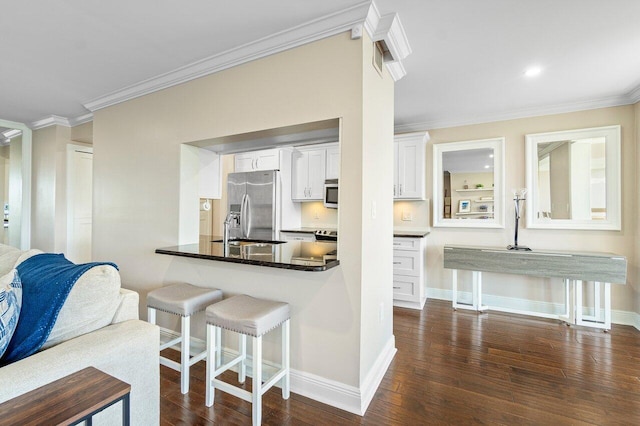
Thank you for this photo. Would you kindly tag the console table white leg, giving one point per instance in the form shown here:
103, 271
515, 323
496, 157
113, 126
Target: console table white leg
607, 306
578, 302
477, 288
596, 303
566, 317
454, 286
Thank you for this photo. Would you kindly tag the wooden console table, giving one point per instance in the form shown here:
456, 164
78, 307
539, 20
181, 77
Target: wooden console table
572, 267
67, 401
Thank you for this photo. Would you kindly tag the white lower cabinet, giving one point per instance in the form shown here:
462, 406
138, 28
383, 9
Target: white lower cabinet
409, 278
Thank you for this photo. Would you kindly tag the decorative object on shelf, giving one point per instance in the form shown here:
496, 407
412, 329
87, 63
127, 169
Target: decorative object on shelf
479, 186
464, 206
518, 196
482, 208
465, 185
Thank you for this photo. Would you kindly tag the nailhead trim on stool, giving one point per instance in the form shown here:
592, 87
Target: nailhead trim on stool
184, 300
247, 315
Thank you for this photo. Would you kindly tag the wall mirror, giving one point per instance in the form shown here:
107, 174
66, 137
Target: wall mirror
468, 184
574, 179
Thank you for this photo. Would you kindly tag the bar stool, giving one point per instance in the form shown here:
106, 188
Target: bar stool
184, 300
247, 316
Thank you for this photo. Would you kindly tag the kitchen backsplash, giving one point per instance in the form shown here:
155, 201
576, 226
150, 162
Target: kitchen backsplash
411, 214
316, 215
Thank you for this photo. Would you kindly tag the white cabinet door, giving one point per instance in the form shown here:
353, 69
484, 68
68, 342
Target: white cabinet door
308, 174
244, 162
317, 170
333, 163
409, 176
299, 175
266, 159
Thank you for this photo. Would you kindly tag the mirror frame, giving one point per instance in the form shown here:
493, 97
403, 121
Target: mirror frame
497, 144
612, 174
23, 241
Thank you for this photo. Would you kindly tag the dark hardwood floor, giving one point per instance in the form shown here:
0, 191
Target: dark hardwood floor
459, 367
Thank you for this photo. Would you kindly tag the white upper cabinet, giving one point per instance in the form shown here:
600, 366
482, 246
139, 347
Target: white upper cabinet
409, 166
266, 159
308, 174
210, 178
333, 162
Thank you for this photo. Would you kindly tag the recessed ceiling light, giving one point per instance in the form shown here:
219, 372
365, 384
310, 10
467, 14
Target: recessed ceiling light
487, 166
532, 72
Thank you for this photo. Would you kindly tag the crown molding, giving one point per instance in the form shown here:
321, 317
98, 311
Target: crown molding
52, 120
85, 118
608, 102
634, 95
308, 32
387, 28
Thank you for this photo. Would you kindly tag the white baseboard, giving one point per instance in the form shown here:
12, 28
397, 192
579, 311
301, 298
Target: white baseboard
410, 305
617, 317
371, 382
326, 391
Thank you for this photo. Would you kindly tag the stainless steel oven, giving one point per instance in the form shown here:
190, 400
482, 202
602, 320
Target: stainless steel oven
331, 193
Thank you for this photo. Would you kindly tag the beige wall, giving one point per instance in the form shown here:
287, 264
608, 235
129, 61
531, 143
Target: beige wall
622, 242
136, 195
49, 209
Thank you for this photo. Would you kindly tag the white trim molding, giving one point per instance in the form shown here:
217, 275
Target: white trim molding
511, 304
52, 120
387, 28
608, 102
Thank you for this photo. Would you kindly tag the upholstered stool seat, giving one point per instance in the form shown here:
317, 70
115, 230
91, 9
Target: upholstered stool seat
253, 317
184, 300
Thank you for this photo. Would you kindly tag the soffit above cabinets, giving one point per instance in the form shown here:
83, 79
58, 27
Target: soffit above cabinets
295, 135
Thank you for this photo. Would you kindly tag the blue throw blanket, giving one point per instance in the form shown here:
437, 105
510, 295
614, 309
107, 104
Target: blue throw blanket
47, 279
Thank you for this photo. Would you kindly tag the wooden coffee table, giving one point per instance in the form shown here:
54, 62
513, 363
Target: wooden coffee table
68, 401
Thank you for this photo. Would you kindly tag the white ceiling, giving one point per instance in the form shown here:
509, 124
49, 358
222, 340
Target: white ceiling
466, 66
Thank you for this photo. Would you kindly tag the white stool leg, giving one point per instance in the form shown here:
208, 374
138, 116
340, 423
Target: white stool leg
184, 357
151, 315
286, 381
256, 400
211, 349
218, 346
242, 348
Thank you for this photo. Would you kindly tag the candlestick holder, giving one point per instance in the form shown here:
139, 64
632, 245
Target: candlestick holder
518, 196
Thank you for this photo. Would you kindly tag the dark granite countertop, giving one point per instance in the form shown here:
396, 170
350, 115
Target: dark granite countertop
398, 233
297, 255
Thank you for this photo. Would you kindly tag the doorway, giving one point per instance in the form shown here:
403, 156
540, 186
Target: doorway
79, 202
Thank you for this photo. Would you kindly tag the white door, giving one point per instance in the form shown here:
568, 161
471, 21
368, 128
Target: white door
317, 168
79, 204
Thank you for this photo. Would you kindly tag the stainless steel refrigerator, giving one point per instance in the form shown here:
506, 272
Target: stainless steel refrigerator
253, 196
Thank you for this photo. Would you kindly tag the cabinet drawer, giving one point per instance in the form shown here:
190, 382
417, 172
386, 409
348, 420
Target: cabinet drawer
406, 243
297, 236
406, 262
405, 287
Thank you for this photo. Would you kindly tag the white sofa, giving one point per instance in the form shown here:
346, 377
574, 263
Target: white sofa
122, 345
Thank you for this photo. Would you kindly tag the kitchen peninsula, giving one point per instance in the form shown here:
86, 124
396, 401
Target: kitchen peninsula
296, 255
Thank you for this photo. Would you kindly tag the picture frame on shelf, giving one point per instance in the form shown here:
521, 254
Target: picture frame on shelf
464, 206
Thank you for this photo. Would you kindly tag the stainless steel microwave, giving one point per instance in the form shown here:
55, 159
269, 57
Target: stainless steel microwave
331, 193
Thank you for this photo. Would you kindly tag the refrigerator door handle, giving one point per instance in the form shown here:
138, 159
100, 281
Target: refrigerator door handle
245, 216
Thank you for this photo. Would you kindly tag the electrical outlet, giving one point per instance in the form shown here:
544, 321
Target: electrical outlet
373, 210
316, 215
407, 216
